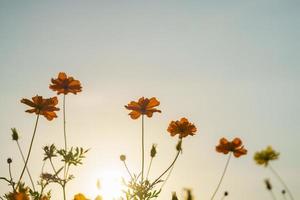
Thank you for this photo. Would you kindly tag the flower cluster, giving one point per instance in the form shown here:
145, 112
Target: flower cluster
46, 107
142, 185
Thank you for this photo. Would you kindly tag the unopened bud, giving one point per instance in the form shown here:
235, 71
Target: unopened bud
174, 196
268, 184
9, 160
122, 157
15, 135
153, 151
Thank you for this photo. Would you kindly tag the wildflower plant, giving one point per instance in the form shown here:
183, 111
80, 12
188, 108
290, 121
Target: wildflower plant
73, 156
234, 147
263, 158
140, 187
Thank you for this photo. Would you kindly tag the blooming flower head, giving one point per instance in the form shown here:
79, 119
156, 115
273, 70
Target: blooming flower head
144, 106
80, 196
45, 198
181, 127
263, 157
64, 84
41, 106
18, 196
235, 147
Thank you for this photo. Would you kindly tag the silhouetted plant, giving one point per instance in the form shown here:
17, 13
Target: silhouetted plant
73, 156
140, 187
264, 157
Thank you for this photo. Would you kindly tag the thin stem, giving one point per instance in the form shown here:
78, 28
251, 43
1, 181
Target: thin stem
168, 176
143, 148
29, 151
65, 132
66, 147
272, 194
127, 169
5, 179
27, 170
64, 114
223, 174
171, 165
64, 191
10, 176
148, 171
52, 165
281, 181
284, 197
68, 168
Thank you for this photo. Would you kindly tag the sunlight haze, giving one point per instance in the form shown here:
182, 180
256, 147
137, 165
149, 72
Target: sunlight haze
231, 67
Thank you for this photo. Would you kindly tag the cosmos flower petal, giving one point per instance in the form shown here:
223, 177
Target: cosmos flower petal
143, 106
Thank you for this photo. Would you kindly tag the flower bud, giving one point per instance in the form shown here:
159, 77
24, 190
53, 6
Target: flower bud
225, 193
153, 151
268, 184
9, 160
122, 157
15, 135
174, 196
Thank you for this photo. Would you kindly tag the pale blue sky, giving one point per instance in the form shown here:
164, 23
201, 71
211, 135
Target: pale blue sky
231, 67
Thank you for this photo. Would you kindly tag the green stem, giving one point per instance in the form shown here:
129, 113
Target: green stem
27, 170
272, 194
281, 181
171, 165
5, 179
284, 197
128, 170
10, 176
66, 147
68, 168
221, 179
143, 148
148, 171
64, 190
167, 178
29, 151
52, 165
64, 114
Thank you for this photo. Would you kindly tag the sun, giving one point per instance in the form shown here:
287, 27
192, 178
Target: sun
109, 185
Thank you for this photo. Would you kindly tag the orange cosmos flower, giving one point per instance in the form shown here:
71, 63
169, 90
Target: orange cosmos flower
144, 106
181, 127
235, 146
80, 196
41, 106
65, 85
18, 196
